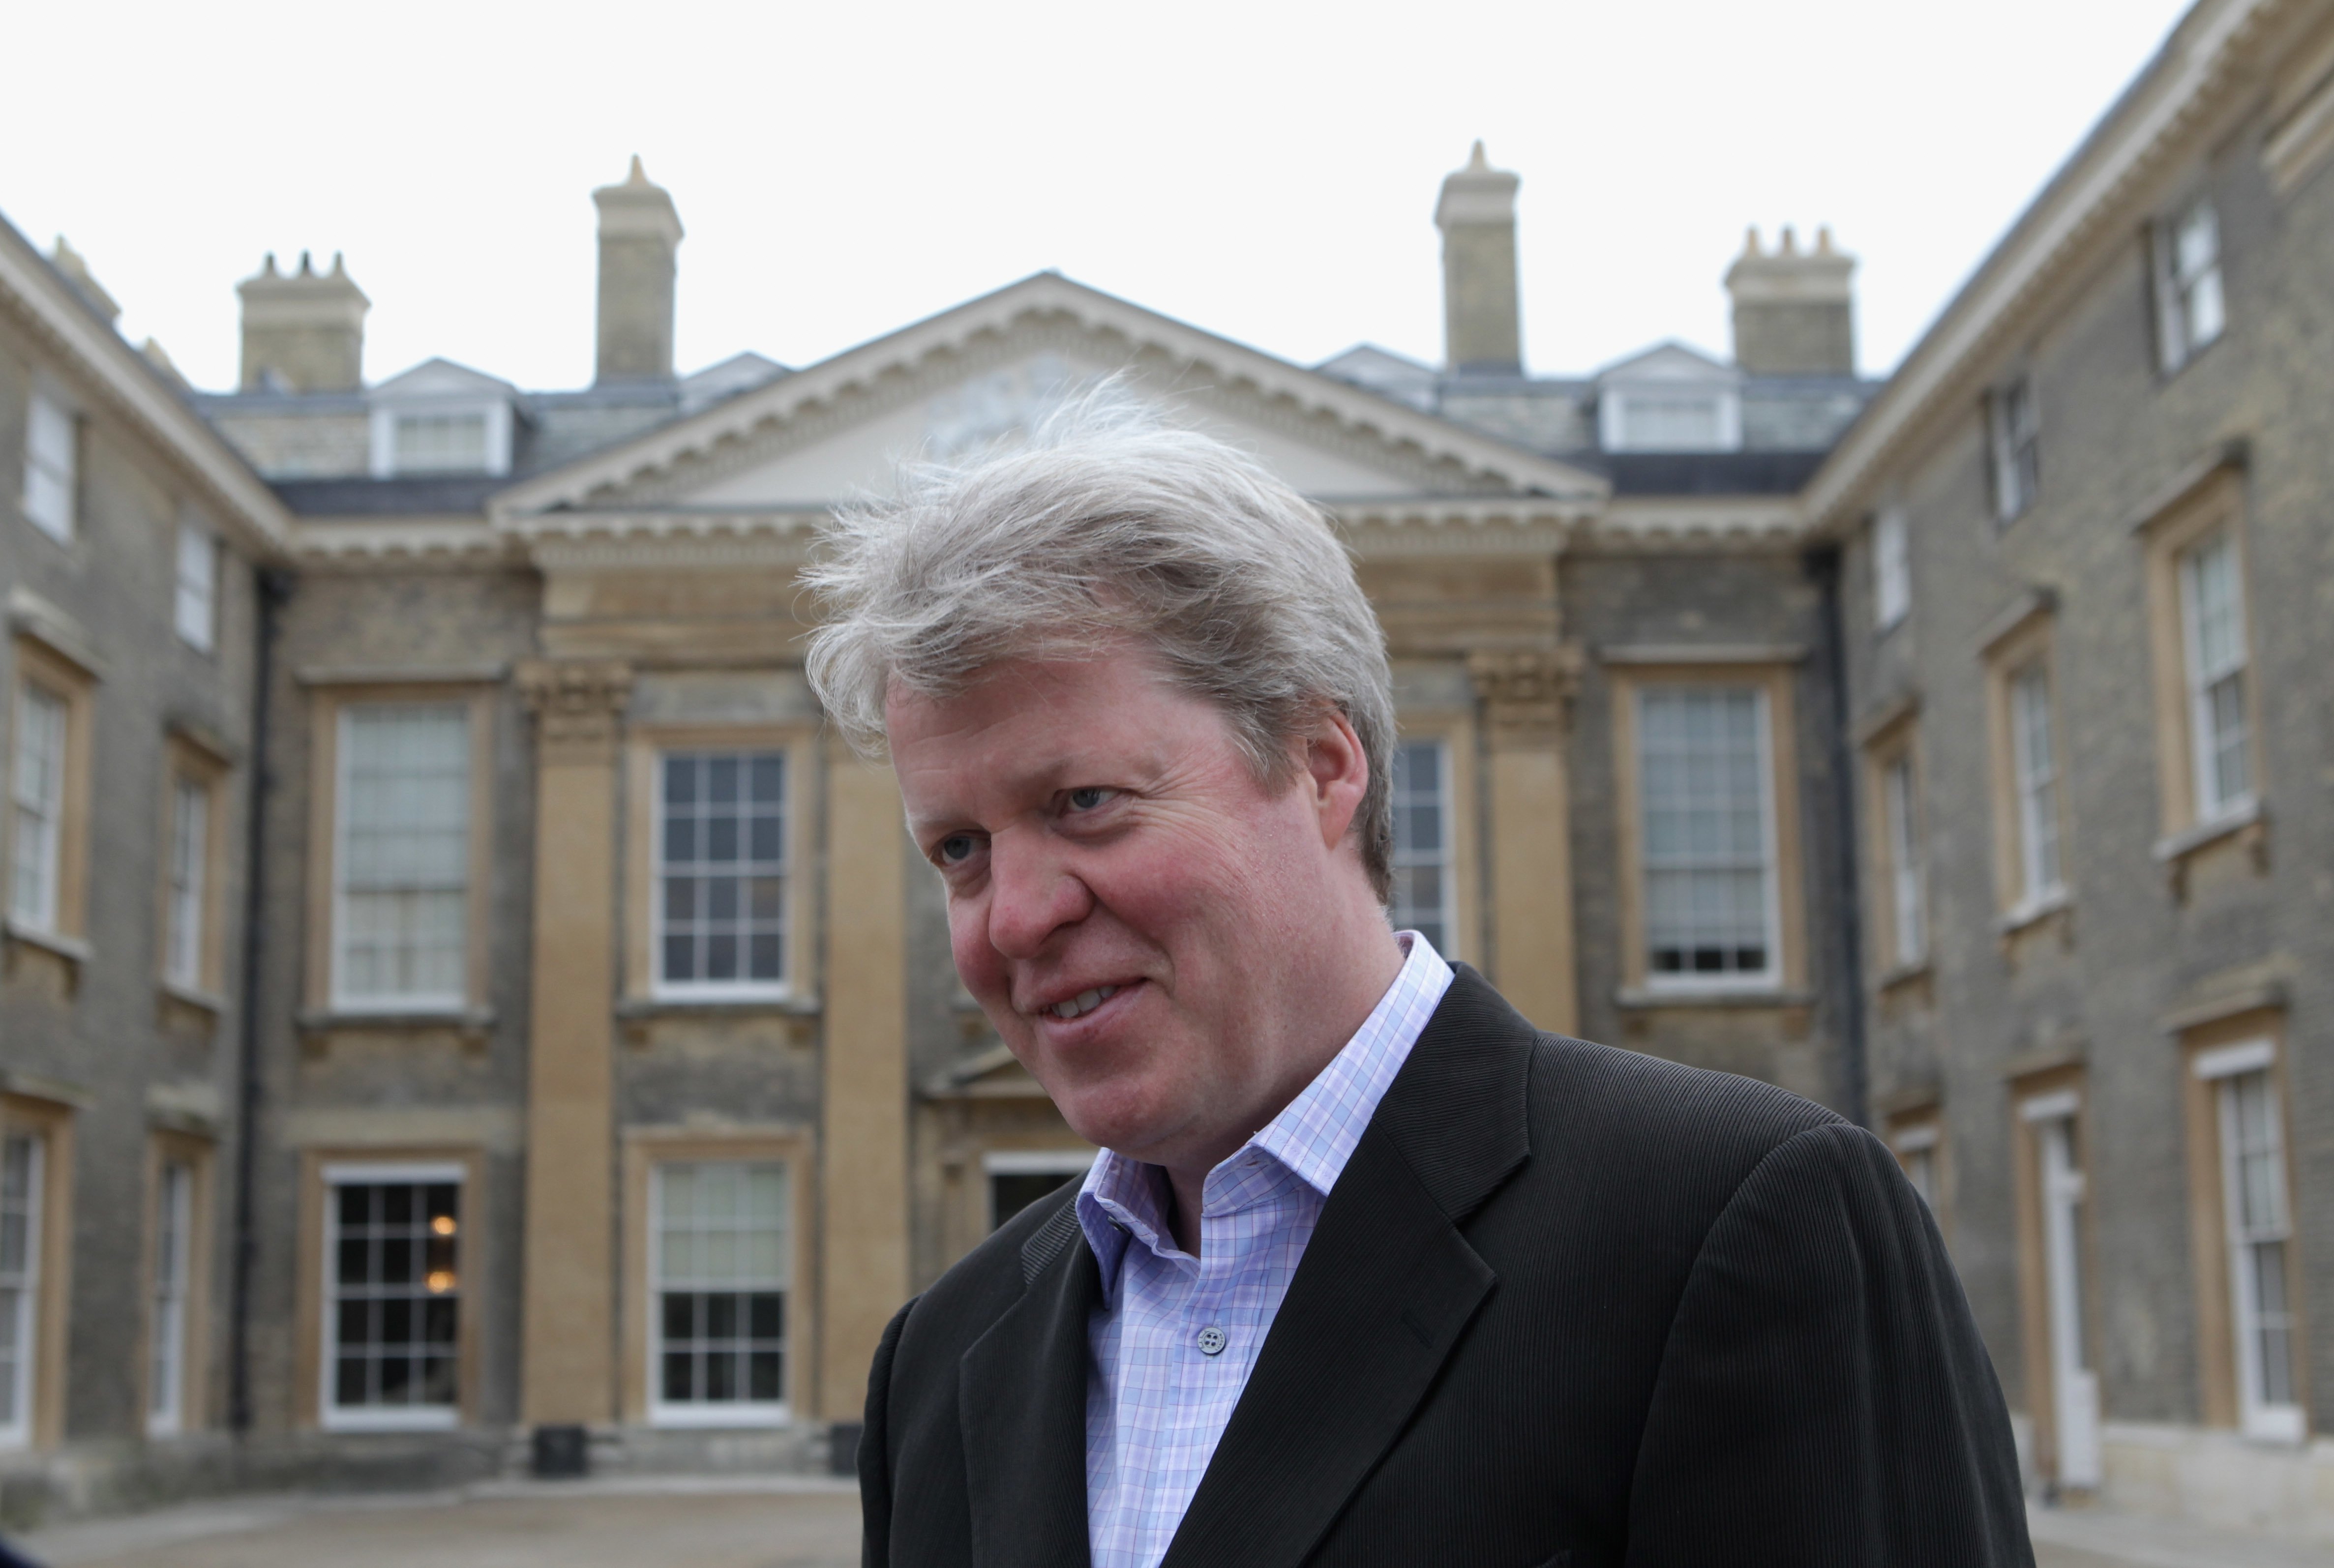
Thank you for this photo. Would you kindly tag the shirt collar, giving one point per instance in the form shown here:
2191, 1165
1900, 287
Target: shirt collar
1313, 1137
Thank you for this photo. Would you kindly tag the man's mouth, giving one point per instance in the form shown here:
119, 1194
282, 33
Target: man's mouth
1084, 1002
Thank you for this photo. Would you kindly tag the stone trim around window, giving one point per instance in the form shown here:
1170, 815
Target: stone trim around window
645, 1147
2207, 502
645, 744
51, 1122
476, 1262
325, 705
2216, 1360
1789, 969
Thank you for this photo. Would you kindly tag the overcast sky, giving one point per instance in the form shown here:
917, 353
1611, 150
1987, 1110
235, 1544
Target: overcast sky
1267, 171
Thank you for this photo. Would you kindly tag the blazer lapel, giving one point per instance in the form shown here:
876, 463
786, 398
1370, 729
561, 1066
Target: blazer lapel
1386, 1288
1021, 1398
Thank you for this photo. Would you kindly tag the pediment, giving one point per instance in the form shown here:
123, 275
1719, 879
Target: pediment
1670, 362
836, 431
435, 379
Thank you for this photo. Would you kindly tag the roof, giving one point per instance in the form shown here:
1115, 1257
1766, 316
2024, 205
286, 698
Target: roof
432, 495
1705, 473
64, 321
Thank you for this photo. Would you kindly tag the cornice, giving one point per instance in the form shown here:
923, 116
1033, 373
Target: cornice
41, 300
860, 380
2083, 204
397, 543
1697, 525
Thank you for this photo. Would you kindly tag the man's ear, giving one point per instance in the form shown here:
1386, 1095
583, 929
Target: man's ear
1337, 774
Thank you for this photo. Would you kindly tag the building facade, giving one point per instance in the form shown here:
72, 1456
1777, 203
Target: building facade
586, 1027
2089, 632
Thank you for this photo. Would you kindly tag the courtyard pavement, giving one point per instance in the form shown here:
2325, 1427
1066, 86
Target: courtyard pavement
763, 1522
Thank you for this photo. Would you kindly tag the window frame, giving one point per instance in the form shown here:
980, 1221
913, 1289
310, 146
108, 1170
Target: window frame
1445, 858
2036, 774
326, 1172
1899, 847
52, 1124
387, 414
2028, 644
37, 802
17, 1426
996, 1162
1786, 974
2216, 1052
647, 744
2013, 447
2210, 503
170, 1297
645, 1149
2177, 342
198, 630
47, 401
738, 990
61, 678
328, 700
1892, 568
191, 763
719, 1415
1917, 1138
2201, 681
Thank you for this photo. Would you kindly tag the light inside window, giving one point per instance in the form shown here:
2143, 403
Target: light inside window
395, 1308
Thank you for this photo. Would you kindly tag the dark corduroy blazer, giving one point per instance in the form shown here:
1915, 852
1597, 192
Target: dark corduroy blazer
1566, 1305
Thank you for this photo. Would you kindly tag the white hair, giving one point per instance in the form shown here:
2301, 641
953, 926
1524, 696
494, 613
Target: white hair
1108, 523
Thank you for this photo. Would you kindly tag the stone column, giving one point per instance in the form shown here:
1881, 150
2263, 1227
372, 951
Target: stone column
865, 1093
1527, 697
568, 1334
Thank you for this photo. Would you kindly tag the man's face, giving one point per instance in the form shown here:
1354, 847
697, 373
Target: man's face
1125, 900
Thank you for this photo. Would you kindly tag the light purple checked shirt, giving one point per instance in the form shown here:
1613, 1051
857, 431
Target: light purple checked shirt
1176, 1336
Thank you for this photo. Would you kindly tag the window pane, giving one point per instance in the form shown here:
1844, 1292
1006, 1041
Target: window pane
1422, 836
396, 1293
405, 847
196, 585
39, 787
1703, 779
441, 443
721, 884
50, 452
720, 1246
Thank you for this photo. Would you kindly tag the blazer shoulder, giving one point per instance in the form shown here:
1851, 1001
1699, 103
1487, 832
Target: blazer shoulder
1639, 1109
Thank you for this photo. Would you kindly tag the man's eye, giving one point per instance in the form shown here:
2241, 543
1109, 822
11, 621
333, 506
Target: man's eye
1086, 798
955, 848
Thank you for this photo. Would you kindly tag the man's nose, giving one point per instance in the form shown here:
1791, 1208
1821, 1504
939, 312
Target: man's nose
1032, 894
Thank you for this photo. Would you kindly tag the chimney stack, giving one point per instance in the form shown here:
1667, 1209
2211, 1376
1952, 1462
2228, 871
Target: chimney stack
1481, 330
639, 232
302, 333
1794, 313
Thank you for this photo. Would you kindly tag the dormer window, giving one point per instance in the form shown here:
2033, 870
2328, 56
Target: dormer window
1670, 399
440, 417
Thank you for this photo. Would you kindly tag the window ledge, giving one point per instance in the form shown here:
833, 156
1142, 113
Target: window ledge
2248, 826
57, 942
2033, 912
1903, 975
1639, 997
202, 1001
468, 1020
640, 1007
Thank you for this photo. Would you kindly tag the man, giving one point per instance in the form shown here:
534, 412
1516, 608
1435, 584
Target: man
1369, 1270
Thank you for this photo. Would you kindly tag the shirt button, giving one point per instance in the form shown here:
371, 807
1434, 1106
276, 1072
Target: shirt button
1213, 1341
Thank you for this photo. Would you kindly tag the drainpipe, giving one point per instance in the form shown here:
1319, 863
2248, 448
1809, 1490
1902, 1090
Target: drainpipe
274, 587
1823, 564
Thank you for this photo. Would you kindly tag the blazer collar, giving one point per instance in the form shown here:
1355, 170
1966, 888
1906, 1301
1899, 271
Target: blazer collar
1386, 1288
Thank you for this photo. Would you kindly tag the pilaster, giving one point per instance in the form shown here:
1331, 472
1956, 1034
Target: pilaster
864, 1100
568, 1346
1527, 700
